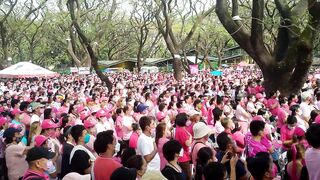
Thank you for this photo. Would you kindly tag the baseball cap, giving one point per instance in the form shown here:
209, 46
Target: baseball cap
259, 95
36, 153
39, 140
35, 105
141, 107
48, 124
89, 123
200, 130
101, 113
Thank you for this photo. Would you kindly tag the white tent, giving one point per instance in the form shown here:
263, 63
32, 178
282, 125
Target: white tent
26, 70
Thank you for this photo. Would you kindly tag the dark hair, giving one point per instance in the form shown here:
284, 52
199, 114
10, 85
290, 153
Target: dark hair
196, 102
181, 119
256, 127
291, 120
313, 115
313, 134
223, 140
47, 113
125, 109
217, 113
76, 132
162, 106
171, 148
104, 138
214, 170
135, 161
127, 153
262, 112
259, 165
204, 155
80, 162
160, 131
144, 122
24, 105
294, 109
135, 126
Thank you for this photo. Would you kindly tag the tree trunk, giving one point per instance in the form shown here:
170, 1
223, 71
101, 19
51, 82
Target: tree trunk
139, 60
177, 68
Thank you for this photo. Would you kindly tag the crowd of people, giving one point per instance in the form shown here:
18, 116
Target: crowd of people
149, 126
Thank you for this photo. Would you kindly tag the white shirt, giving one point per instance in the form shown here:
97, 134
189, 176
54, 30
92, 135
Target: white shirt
126, 123
145, 147
306, 110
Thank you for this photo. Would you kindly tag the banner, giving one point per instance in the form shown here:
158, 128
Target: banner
84, 70
194, 69
73, 69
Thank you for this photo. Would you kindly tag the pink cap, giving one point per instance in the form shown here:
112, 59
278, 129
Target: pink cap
39, 140
15, 111
48, 124
101, 113
89, 123
160, 115
298, 132
84, 115
3, 120
259, 95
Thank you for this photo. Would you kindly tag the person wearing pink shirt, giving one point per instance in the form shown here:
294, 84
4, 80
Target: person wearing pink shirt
185, 139
210, 113
134, 136
118, 123
286, 132
256, 142
161, 139
201, 137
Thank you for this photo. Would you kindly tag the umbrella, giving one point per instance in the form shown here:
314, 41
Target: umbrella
216, 73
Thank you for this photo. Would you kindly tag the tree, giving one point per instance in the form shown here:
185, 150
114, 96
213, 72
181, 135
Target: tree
285, 66
165, 17
86, 42
141, 21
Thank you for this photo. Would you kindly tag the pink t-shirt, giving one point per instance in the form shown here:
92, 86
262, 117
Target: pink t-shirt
16, 162
182, 136
210, 115
133, 140
257, 146
286, 133
195, 150
163, 160
119, 127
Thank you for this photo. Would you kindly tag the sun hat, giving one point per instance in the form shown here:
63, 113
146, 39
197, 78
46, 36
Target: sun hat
200, 130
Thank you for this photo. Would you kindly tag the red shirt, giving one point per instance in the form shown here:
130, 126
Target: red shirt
104, 167
182, 136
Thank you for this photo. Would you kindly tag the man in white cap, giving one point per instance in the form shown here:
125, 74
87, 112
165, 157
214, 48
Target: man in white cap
201, 136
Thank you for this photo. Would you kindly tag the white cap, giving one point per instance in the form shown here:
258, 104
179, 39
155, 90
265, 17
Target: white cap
200, 130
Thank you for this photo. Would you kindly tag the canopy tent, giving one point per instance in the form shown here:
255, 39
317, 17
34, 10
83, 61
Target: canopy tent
26, 70
216, 73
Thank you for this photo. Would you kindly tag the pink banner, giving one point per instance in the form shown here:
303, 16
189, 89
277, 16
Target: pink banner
194, 69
